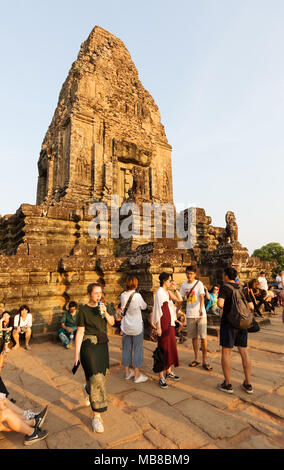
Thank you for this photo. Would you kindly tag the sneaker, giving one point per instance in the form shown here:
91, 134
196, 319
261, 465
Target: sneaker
225, 388
140, 379
37, 435
97, 424
247, 388
130, 375
40, 418
163, 383
14, 348
27, 347
68, 346
172, 376
87, 399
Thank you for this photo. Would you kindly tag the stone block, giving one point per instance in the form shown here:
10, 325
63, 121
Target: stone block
137, 444
68, 439
30, 291
19, 279
258, 442
39, 278
138, 399
216, 423
171, 395
13, 294
158, 440
122, 428
4, 280
118, 385
174, 426
272, 403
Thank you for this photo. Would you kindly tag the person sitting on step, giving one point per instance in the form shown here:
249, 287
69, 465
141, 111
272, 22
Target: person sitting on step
68, 325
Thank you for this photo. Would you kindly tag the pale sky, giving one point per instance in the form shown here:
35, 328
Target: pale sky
215, 69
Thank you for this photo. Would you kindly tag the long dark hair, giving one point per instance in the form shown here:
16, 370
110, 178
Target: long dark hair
212, 289
163, 278
24, 307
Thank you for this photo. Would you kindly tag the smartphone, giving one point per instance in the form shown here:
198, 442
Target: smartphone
74, 370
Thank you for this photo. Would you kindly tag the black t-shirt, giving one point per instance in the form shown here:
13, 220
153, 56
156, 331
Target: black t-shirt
226, 293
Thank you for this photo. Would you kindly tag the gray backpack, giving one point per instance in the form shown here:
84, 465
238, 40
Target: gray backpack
240, 315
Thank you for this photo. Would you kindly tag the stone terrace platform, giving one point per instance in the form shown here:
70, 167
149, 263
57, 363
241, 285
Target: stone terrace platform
191, 414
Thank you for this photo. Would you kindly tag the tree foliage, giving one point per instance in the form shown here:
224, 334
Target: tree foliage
272, 252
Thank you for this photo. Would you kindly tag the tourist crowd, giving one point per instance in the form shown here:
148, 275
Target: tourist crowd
178, 315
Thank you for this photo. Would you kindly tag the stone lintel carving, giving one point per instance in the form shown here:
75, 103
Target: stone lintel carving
128, 152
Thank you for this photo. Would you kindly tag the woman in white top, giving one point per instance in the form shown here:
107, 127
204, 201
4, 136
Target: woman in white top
23, 325
132, 328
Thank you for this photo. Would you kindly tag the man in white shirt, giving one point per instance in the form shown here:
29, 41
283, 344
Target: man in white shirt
279, 281
22, 325
193, 292
262, 281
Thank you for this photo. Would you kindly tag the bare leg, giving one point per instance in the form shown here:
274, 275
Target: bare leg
14, 408
226, 364
16, 339
14, 423
11, 406
195, 348
28, 336
2, 357
246, 363
204, 350
137, 373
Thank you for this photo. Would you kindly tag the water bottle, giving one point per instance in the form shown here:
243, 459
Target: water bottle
71, 337
100, 309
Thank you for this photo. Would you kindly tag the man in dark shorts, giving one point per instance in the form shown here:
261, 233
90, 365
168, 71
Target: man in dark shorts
230, 336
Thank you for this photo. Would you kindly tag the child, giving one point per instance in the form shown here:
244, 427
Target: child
180, 325
5, 330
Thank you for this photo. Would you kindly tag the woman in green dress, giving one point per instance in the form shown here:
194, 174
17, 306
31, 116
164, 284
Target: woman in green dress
91, 345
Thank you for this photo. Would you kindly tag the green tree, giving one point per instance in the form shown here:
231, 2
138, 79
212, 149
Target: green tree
272, 252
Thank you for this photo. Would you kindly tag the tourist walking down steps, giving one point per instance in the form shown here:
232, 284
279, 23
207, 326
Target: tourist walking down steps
91, 345
164, 316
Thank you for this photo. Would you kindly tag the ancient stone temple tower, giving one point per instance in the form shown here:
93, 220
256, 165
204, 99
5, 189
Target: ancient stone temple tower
106, 136
105, 139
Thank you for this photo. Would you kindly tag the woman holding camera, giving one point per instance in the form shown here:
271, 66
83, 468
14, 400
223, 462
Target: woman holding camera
164, 316
91, 345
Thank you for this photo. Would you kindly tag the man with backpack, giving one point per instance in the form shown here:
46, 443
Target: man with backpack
235, 321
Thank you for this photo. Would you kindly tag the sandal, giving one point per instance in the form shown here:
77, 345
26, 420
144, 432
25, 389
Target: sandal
194, 364
207, 367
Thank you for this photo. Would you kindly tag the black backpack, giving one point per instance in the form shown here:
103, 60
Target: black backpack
158, 356
240, 315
